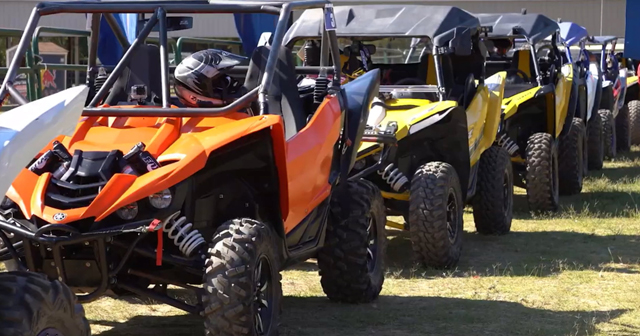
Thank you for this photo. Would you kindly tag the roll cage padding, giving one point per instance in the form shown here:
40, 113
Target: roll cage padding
144, 69
283, 98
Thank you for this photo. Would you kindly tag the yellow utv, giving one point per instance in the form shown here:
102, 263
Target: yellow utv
444, 114
545, 141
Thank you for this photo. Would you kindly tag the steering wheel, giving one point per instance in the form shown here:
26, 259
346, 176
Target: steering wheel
411, 81
519, 72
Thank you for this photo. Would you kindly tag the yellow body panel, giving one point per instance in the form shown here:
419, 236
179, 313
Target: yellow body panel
632, 80
563, 93
512, 103
483, 115
405, 118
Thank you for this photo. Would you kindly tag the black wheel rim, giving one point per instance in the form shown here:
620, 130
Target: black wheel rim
372, 244
507, 190
263, 297
452, 216
50, 332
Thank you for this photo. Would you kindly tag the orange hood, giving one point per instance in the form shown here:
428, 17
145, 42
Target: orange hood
181, 145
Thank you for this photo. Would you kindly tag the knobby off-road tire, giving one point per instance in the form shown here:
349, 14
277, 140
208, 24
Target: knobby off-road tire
31, 305
571, 159
595, 142
351, 262
623, 135
608, 134
542, 173
435, 215
634, 121
493, 201
242, 281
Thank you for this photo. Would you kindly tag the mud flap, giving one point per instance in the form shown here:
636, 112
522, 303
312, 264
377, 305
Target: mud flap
356, 97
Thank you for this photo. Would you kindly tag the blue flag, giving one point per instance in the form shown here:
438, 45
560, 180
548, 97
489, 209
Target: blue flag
251, 26
109, 49
632, 30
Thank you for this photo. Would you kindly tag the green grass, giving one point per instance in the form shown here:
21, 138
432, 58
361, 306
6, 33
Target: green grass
574, 273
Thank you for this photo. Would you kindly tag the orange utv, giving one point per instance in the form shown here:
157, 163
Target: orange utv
146, 193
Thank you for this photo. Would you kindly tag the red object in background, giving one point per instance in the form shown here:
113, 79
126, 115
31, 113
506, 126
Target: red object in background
49, 79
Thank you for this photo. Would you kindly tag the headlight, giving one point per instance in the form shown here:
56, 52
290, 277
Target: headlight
128, 212
161, 200
359, 164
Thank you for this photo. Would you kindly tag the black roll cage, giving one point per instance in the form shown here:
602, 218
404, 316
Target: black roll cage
532, 49
159, 11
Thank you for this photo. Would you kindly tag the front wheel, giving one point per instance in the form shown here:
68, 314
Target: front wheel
542, 173
595, 143
351, 261
493, 202
571, 159
435, 215
31, 304
242, 283
634, 121
608, 133
623, 135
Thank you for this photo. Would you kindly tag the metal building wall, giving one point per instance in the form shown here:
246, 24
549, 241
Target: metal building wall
14, 14
583, 12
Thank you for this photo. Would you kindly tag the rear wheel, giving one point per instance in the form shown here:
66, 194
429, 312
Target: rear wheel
242, 280
32, 305
571, 159
542, 173
608, 134
595, 143
493, 201
623, 136
634, 121
351, 262
435, 215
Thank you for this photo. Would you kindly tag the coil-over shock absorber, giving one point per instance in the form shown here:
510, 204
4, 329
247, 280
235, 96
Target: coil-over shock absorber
505, 142
101, 78
186, 238
394, 177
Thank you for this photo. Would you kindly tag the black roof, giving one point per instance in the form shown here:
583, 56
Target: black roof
535, 27
436, 22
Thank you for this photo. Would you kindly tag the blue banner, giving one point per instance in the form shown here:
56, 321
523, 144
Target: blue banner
632, 30
109, 49
251, 26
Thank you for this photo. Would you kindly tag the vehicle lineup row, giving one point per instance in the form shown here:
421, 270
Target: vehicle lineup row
253, 164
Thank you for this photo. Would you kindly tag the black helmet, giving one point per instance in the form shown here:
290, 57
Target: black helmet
201, 79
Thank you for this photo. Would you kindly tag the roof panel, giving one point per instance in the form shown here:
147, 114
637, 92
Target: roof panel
572, 33
533, 26
384, 20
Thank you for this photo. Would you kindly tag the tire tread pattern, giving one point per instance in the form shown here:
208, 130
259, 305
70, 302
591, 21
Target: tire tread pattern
541, 195
570, 159
489, 214
595, 142
229, 284
430, 188
30, 303
342, 261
